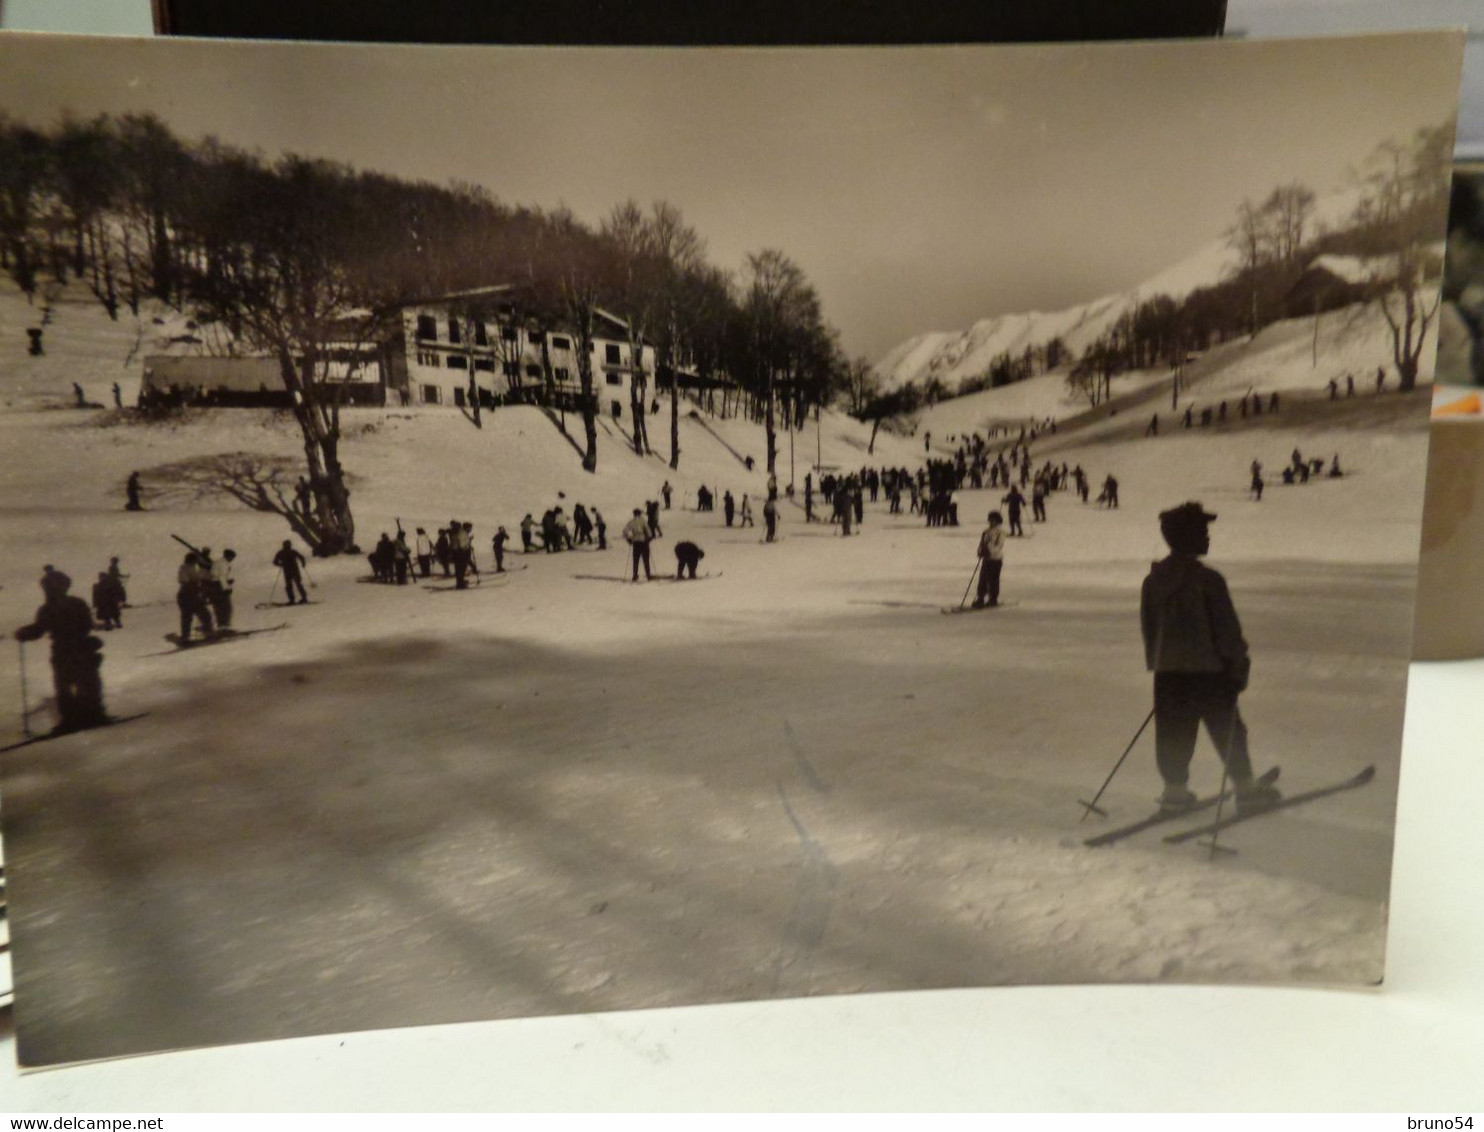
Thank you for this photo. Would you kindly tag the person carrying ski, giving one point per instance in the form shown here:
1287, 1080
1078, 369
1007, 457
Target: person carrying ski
636, 534
190, 596
1193, 644
687, 557
291, 562
991, 561
77, 655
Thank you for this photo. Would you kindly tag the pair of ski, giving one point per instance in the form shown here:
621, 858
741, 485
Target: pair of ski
1236, 818
112, 721
221, 637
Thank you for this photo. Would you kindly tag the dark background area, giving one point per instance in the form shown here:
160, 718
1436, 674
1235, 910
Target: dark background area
633, 22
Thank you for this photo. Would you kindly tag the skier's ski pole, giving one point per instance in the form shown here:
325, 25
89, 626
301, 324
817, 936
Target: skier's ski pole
1092, 807
25, 699
312, 584
977, 563
1212, 845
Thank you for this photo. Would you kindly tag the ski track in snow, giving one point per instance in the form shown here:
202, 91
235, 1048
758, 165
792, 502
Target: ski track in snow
799, 779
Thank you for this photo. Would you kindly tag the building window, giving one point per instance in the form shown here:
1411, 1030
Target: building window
507, 333
484, 365
610, 354
616, 410
481, 334
432, 395
457, 361
511, 369
533, 371
561, 343
427, 328
613, 378
427, 358
453, 330
534, 337
458, 396
562, 373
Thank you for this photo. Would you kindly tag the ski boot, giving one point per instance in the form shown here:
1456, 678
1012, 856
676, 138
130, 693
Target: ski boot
1257, 794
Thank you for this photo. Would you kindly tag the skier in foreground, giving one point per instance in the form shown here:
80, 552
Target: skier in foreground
76, 654
1194, 646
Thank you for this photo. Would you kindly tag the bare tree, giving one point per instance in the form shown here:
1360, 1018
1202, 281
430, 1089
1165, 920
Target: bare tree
1403, 210
780, 311
1286, 214
287, 274
861, 383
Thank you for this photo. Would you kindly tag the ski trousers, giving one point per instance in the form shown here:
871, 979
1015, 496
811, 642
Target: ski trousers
1182, 702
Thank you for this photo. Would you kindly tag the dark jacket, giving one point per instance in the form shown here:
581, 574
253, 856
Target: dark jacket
69, 621
1189, 622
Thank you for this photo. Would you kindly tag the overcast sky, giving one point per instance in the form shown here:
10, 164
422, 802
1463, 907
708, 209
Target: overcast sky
919, 188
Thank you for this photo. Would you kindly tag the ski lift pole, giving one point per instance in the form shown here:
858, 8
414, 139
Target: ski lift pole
1093, 807
25, 698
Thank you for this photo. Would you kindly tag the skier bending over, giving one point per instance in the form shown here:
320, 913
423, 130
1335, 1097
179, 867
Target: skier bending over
77, 655
1194, 646
687, 557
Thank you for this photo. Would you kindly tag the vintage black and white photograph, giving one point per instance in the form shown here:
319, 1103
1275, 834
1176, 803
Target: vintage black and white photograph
896, 519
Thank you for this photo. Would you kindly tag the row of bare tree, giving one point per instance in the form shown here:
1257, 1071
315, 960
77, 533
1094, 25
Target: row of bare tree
304, 259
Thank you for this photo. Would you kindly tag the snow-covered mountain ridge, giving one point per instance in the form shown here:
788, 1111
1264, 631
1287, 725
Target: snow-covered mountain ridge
953, 355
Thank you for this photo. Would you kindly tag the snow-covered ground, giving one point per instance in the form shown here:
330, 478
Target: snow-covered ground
557, 792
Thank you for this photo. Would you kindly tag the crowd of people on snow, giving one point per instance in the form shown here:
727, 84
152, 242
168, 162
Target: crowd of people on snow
206, 582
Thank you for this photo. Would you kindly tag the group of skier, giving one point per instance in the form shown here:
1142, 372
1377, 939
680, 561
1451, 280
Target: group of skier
1298, 470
